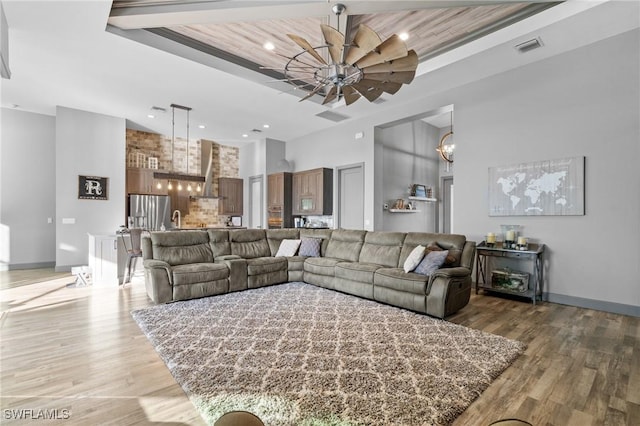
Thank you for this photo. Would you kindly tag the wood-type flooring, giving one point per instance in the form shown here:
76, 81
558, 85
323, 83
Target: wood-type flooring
75, 356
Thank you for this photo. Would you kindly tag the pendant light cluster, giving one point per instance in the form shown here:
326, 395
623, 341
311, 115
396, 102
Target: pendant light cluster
173, 176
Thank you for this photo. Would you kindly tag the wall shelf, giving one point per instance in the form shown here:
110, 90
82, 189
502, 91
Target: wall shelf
404, 211
428, 200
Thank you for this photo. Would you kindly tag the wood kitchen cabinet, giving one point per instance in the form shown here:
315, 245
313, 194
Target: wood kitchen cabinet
141, 181
179, 199
313, 192
279, 200
230, 196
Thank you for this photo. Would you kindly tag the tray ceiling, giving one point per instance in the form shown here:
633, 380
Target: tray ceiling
236, 32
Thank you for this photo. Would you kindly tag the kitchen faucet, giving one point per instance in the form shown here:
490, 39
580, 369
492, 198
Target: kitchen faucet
173, 217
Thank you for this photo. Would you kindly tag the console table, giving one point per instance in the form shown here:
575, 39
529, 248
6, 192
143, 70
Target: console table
534, 253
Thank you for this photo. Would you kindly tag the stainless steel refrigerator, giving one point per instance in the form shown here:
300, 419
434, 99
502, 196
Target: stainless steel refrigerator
150, 212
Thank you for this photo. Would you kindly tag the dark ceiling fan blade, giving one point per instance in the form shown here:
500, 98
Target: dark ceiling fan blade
350, 94
313, 92
368, 89
404, 77
408, 63
335, 40
390, 49
333, 93
306, 46
364, 42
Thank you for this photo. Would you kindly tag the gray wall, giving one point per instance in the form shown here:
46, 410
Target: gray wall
92, 145
409, 156
584, 102
27, 190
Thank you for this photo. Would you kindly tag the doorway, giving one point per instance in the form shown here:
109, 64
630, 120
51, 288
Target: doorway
255, 202
351, 196
447, 204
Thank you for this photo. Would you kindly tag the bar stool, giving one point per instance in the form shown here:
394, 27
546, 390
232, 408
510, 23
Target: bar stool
134, 251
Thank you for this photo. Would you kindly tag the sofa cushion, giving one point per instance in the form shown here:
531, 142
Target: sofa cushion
321, 265
451, 242
356, 271
265, 265
382, 248
181, 247
413, 259
397, 279
346, 244
288, 248
219, 242
431, 262
249, 243
309, 247
453, 256
199, 273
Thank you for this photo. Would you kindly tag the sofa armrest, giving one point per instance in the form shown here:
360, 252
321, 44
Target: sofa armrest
158, 280
237, 271
455, 272
221, 259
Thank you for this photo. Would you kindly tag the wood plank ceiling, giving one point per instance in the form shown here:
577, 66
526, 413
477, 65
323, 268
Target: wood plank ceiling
432, 31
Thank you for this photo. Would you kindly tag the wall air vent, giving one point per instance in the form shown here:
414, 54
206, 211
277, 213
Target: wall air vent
528, 45
332, 116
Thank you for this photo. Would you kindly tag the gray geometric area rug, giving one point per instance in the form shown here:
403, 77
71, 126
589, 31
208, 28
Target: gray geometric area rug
296, 354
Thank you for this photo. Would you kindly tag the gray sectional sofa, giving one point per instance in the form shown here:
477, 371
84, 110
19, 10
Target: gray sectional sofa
181, 265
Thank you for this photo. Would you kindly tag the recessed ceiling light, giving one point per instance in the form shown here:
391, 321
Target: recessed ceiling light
266, 126
244, 135
202, 126
151, 116
404, 36
269, 46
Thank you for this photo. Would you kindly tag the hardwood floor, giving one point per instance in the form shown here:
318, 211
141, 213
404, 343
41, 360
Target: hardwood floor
76, 354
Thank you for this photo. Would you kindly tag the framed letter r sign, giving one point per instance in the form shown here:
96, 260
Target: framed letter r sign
93, 188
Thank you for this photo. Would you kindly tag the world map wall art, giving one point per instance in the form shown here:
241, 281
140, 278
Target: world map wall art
541, 188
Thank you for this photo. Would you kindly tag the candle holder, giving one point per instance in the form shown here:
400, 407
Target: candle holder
491, 239
523, 243
510, 236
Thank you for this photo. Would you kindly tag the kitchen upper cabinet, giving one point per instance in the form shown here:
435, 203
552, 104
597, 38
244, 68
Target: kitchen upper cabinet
230, 196
313, 192
141, 181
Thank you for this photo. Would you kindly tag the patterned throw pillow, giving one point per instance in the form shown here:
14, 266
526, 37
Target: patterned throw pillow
309, 247
431, 262
288, 248
450, 260
414, 258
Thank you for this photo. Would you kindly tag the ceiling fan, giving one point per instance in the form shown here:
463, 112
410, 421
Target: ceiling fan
367, 67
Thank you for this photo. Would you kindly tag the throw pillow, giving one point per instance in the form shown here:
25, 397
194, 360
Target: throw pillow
309, 247
288, 248
450, 260
431, 262
414, 259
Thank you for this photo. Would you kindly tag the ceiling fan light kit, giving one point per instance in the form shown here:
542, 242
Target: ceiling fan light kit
367, 67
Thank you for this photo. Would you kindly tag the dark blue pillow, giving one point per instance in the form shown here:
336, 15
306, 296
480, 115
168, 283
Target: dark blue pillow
431, 262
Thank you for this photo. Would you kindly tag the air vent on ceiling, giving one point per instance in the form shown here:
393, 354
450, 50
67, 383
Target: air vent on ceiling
379, 101
528, 45
332, 116
158, 109
256, 130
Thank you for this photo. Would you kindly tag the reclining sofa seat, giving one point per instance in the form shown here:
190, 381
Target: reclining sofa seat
343, 246
262, 268
440, 294
179, 266
378, 250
